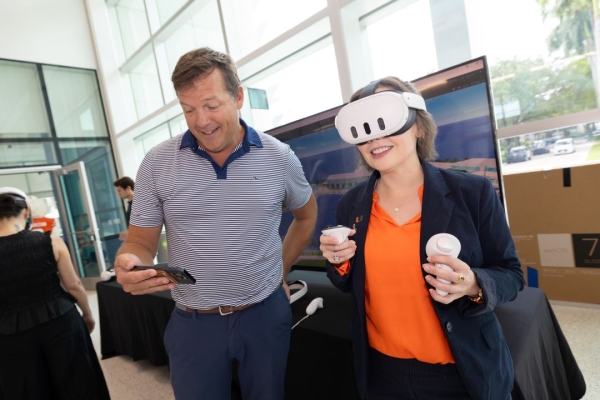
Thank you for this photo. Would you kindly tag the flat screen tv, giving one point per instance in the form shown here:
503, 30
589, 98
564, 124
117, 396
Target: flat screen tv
460, 101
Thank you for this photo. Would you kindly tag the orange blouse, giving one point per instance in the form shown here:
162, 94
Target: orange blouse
401, 321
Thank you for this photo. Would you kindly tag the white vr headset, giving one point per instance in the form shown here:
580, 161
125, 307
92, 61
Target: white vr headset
20, 195
376, 115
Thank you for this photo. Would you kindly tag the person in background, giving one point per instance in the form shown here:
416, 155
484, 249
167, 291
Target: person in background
45, 347
219, 189
124, 187
409, 340
40, 221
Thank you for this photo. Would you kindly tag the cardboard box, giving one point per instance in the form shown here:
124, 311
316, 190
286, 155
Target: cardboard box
554, 218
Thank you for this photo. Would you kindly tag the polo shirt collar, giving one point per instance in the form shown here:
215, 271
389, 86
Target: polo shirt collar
251, 138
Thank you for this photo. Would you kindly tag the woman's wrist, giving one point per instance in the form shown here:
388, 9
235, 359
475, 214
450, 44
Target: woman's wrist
477, 298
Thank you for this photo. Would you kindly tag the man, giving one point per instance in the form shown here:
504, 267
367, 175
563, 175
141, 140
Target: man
124, 188
219, 189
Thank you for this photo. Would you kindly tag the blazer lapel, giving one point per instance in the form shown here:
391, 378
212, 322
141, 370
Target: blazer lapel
361, 216
436, 212
436, 208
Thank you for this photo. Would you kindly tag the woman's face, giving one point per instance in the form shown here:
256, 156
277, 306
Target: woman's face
388, 153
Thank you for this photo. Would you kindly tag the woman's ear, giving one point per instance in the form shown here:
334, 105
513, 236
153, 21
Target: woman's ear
420, 133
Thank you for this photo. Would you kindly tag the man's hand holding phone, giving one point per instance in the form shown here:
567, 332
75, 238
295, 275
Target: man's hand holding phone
139, 281
173, 274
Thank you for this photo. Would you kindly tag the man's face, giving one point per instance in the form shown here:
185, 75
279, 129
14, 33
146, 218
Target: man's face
122, 192
211, 114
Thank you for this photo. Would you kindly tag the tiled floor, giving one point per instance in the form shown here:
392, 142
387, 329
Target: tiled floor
129, 380
581, 325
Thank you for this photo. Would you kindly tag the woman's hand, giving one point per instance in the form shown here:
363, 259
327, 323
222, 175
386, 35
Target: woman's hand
90, 323
462, 279
337, 253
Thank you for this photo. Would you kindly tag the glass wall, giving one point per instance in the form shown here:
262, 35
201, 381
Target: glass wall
26, 154
160, 11
252, 23
555, 148
298, 57
162, 132
53, 116
145, 87
133, 24
412, 21
75, 102
203, 29
148, 140
283, 97
22, 109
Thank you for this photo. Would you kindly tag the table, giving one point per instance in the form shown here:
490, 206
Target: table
320, 364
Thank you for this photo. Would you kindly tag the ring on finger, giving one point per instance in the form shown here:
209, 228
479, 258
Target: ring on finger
461, 278
336, 258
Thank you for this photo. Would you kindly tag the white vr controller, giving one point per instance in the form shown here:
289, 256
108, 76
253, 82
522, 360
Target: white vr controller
443, 244
316, 303
106, 275
340, 232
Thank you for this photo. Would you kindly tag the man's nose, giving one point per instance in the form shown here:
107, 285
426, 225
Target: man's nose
202, 118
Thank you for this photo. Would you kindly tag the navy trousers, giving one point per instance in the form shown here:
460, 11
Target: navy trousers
203, 347
395, 378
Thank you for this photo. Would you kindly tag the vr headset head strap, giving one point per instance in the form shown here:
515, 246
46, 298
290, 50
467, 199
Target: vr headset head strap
369, 89
299, 289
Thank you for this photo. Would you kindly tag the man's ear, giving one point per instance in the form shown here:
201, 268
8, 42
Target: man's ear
239, 101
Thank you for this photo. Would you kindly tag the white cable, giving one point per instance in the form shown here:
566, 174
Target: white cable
306, 316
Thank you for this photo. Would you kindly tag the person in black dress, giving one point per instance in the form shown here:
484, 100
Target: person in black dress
46, 352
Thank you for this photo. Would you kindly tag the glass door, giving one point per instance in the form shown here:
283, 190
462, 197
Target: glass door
79, 222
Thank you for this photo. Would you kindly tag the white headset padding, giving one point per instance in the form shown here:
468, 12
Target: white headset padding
301, 288
13, 190
390, 106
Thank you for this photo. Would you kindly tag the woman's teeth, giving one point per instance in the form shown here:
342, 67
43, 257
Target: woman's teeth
381, 150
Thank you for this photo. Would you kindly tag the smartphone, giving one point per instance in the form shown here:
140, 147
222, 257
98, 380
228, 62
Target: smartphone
173, 274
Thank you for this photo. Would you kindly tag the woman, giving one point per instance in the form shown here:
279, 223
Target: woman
45, 347
409, 341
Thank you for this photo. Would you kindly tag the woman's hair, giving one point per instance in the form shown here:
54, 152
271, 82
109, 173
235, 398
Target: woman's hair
424, 121
11, 205
201, 62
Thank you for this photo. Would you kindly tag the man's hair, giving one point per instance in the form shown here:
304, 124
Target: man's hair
426, 143
124, 183
200, 63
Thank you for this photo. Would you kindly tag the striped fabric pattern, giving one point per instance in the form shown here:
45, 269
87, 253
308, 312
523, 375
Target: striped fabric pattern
225, 232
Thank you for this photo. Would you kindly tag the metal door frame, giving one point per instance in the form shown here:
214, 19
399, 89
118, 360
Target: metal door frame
79, 166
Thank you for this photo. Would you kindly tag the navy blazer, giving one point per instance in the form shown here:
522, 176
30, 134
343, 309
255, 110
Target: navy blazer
466, 206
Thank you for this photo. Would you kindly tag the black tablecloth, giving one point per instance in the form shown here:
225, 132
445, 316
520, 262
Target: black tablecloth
320, 362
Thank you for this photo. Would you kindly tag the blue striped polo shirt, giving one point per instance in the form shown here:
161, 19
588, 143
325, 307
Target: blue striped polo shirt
222, 223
